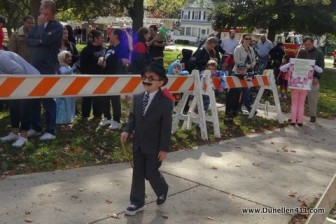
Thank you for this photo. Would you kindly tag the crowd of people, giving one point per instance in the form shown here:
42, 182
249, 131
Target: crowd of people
46, 47
51, 49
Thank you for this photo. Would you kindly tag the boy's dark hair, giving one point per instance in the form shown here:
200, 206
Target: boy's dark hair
94, 34
3, 20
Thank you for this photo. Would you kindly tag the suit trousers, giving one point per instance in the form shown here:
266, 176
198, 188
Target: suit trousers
313, 96
146, 166
298, 102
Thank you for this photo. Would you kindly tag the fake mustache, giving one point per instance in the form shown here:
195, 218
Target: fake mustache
146, 83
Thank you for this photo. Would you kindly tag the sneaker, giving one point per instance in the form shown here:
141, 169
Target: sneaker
32, 133
300, 124
10, 137
47, 136
133, 209
20, 142
104, 122
312, 119
160, 201
115, 125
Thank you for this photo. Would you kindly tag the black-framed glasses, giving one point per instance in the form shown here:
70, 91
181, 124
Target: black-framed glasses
149, 78
247, 38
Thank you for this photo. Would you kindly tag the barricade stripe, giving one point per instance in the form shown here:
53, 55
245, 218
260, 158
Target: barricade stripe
131, 85
44, 86
9, 86
230, 82
216, 82
265, 80
192, 87
243, 83
255, 81
176, 85
105, 85
76, 86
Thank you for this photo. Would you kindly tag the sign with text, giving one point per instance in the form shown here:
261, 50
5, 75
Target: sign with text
301, 73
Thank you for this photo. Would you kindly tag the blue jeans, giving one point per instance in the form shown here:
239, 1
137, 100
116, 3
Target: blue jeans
49, 105
247, 98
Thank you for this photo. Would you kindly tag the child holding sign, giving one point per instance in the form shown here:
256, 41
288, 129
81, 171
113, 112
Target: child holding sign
300, 82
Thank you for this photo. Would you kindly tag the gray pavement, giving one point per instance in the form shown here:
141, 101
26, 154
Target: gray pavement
210, 184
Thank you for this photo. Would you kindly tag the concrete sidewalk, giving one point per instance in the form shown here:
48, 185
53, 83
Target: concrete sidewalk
210, 184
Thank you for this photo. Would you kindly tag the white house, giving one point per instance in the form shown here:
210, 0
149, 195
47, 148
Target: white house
194, 22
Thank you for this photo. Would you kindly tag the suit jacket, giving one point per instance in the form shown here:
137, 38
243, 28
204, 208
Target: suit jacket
152, 131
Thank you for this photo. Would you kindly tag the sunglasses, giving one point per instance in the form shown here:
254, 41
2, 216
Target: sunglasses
149, 78
246, 38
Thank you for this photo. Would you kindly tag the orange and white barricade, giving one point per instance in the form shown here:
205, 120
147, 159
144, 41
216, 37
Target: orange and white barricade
50, 86
196, 113
265, 81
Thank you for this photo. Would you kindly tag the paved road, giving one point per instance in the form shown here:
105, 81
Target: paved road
210, 184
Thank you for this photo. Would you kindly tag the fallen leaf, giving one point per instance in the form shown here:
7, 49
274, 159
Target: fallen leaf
28, 220
81, 189
115, 216
108, 202
256, 164
164, 216
238, 165
214, 168
27, 212
292, 194
210, 218
293, 151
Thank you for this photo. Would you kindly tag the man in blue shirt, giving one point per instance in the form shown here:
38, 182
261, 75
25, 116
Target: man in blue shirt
45, 39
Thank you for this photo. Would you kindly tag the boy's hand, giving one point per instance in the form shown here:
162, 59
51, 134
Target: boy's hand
162, 155
123, 137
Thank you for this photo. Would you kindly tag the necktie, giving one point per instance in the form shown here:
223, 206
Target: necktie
144, 104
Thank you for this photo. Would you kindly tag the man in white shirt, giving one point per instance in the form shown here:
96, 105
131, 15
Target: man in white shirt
228, 45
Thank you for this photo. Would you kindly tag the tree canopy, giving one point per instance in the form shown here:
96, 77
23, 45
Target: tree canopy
304, 16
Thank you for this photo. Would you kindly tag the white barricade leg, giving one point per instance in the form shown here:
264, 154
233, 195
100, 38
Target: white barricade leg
273, 88
325, 204
213, 118
276, 97
192, 116
256, 101
179, 111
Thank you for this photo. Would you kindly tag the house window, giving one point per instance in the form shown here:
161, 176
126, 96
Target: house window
182, 31
204, 15
189, 15
197, 16
182, 15
194, 32
188, 31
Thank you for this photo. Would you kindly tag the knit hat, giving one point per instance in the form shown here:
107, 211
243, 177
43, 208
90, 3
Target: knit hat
158, 69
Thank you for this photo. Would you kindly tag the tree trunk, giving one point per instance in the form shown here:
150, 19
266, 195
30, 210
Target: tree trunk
34, 8
137, 14
271, 32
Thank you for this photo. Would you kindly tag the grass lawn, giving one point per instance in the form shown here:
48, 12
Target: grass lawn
83, 143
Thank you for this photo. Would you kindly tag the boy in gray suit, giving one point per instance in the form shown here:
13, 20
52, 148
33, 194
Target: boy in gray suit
151, 120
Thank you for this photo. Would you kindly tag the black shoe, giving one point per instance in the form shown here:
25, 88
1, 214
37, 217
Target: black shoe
300, 124
162, 199
133, 209
312, 119
292, 124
